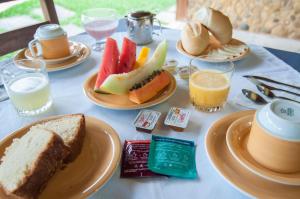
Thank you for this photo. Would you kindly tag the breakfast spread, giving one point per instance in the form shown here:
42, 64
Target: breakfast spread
138, 78
172, 157
146, 120
135, 159
31, 160
177, 118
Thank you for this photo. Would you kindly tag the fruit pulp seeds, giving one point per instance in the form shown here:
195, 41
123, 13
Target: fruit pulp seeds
135, 158
173, 157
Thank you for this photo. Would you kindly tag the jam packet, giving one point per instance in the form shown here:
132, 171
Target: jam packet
173, 157
135, 158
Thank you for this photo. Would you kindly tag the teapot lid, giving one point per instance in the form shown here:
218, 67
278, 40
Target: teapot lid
140, 15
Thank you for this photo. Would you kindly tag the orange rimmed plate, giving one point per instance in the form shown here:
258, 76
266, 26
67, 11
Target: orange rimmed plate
220, 54
122, 102
97, 162
237, 138
236, 174
82, 54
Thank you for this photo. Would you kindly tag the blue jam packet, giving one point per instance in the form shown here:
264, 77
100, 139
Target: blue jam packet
172, 157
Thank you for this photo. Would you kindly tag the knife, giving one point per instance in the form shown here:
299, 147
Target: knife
271, 80
261, 84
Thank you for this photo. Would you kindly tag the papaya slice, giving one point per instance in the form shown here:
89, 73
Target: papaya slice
150, 87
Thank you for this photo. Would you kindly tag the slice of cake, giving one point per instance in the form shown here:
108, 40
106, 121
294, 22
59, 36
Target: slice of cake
71, 128
30, 161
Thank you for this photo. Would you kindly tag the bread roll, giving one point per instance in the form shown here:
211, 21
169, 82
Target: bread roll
217, 23
194, 38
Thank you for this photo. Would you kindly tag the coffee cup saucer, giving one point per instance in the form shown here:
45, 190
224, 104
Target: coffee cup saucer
74, 50
236, 139
82, 55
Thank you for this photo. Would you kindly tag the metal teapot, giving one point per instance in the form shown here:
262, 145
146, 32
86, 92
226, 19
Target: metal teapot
140, 26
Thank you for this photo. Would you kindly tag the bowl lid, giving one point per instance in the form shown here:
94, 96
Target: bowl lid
49, 31
281, 118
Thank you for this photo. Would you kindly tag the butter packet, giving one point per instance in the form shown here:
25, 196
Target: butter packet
170, 65
172, 157
184, 71
177, 118
146, 120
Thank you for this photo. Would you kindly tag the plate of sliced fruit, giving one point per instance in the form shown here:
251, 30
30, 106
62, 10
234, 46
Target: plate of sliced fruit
126, 83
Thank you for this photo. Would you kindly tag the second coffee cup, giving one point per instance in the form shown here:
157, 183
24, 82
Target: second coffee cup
50, 42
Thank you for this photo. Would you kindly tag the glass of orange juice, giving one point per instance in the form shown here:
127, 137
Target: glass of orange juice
209, 84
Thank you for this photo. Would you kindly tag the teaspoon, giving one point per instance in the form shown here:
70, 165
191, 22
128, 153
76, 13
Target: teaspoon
256, 98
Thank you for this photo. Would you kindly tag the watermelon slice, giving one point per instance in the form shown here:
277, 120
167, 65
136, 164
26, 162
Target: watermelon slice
128, 56
109, 64
120, 84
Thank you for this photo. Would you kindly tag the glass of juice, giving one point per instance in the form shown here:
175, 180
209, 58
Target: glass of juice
209, 84
28, 89
99, 23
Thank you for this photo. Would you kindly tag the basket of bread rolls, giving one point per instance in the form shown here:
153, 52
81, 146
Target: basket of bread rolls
209, 38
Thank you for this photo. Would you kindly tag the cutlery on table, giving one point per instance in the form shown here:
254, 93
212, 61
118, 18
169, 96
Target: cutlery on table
267, 92
256, 98
261, 84
270, 80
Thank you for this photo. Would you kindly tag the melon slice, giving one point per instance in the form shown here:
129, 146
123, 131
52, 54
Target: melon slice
120, 84
127, 57
109, 64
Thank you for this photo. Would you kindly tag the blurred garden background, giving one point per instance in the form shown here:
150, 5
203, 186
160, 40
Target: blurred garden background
20, 13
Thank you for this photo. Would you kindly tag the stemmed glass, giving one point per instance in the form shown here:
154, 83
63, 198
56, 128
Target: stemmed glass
99, 23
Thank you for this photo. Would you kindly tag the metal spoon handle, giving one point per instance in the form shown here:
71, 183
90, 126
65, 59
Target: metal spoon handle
290, 92
285, 98
273, 81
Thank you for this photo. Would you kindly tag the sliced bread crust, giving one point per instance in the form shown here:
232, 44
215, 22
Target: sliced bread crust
73, 141
76, 143
49, 160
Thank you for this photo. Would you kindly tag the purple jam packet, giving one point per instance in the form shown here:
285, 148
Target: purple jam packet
135, 159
